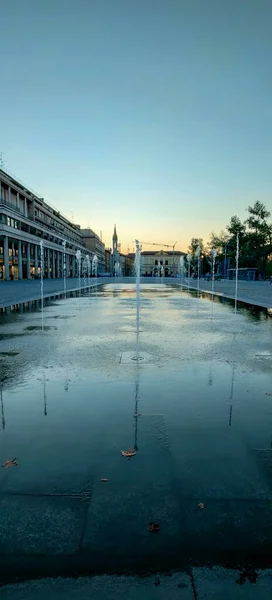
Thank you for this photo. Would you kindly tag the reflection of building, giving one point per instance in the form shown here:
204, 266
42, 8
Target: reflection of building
96, 246
156, 263
25, 220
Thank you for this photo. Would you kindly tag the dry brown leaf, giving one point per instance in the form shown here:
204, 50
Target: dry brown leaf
153, 527
128, 453
10, 463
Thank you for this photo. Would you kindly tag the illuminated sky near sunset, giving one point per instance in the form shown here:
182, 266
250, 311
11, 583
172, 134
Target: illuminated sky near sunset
151, 114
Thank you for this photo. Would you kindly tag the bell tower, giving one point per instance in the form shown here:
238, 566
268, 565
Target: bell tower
115, 246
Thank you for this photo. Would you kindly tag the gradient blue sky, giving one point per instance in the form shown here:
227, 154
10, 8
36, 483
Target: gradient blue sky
154, 114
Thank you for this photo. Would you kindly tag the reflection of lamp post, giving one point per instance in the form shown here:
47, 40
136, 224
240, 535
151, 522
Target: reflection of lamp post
2, 409
44, 397
231, 396
136, 414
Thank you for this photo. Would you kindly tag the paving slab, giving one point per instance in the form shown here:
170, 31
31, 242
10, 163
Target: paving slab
217, 582
41, 525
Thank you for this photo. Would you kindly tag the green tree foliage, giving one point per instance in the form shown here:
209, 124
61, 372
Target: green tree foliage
255, 240
259, 236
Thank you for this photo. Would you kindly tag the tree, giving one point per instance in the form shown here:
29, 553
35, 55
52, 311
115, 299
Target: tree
192, 249
259, 238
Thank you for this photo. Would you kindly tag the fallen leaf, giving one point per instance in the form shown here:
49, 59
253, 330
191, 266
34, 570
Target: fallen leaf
201, 505
10, 463
128, 453
104, 480
153, 527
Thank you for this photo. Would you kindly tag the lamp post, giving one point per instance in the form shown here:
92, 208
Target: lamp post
64, 266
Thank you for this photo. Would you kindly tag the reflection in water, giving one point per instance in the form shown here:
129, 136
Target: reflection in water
231, 395
136, 412
210, 381
2, 409
44, 397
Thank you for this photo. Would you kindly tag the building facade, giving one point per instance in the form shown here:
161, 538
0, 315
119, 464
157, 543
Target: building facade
108, 261
25, 221
95, 245
160, 263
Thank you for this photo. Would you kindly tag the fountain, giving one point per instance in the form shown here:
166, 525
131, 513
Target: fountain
189, 256
197, 254
237, 270
88, 263
213, 256
181, 270
78, 257
94, 269
117, 270
42, 270
84, 271
64, 267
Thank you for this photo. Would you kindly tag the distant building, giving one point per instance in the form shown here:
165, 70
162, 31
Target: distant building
95, 245
160, 263
108, 261
25, 221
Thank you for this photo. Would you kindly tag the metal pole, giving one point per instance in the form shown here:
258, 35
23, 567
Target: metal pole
237, 270
64, 267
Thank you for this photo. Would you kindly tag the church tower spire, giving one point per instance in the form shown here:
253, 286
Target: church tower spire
115, 246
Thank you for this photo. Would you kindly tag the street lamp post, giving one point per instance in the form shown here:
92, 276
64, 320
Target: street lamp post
64, 267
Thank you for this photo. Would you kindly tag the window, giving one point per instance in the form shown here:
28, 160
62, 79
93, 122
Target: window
161, 262
166, 262
156, 262
8, 221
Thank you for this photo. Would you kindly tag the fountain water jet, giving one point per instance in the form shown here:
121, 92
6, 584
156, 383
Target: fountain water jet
78, 257
88, 263
94, 269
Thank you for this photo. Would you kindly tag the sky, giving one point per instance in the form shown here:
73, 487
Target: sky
151, 114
